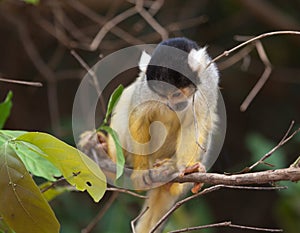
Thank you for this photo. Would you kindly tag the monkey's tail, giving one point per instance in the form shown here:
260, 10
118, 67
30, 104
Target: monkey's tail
159, 201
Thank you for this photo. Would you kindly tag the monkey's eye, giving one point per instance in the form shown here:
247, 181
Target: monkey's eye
177, 94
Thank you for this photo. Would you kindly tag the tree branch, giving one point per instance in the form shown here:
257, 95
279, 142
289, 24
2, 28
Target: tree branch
227, 52
225, 224
90, 145
263, 177
203, 192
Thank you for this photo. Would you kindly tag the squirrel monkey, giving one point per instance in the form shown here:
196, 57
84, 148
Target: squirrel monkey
166, 118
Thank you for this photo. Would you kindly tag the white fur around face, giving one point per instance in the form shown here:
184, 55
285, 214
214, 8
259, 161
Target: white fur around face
198, 59
144, 61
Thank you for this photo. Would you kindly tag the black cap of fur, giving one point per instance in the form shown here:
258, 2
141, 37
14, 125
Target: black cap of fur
159, 73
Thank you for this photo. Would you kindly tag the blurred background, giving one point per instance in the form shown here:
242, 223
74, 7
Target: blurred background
35, 44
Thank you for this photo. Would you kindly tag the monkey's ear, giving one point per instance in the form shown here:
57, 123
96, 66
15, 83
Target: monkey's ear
144, 61
198, 59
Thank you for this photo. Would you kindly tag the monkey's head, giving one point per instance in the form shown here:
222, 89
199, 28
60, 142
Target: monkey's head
170, 73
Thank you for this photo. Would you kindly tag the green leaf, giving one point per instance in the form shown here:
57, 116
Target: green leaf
5, 108
119, 150
8, 135
33, 2
22, 205
113, 101
77, 168
30, 156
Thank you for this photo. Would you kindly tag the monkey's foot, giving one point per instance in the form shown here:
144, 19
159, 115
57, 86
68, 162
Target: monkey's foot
141, 180
197, 167
197, 187
162, 172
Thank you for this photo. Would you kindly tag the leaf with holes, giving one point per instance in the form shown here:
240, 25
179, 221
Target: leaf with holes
77, 168
5, 108
22, 206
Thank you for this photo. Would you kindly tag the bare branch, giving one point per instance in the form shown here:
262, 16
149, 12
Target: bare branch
221, 224
41, 67
235, 58
267, 155
150, 20
263, 79
66, 22
126, 191
8, 80
92, 148
263, 177
53, 184
93, 75
225, 224
137, 218
268, 34
203, 192
255, 228
84, 10
109, 25
281, 143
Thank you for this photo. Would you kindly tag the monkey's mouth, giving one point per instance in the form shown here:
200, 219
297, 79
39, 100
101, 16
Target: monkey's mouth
178, 106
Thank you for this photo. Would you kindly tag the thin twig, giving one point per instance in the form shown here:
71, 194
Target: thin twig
203, 192
100, 214
255, 228
225, 224
8, 80
221, 224
109, 25
262, 80
137, 218
268, 34
84, 10
56, 32
150, 20
126, 191
93, 75
284, 140
155, 6
53, 184
235, 58
66, 22
42, 68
